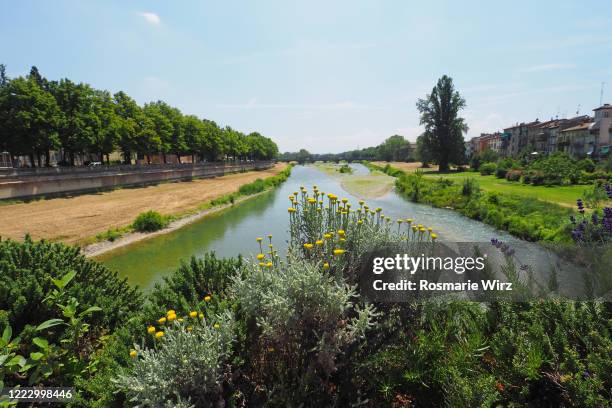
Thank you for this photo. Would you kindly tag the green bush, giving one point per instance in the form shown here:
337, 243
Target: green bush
345, 168
555, 169
77, 299
514, 175
150, 221
470, 186
487, 169
587, 165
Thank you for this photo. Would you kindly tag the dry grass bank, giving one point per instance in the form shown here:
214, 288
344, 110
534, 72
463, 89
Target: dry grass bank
74, 219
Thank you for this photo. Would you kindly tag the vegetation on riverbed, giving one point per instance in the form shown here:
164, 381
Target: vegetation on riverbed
295, 331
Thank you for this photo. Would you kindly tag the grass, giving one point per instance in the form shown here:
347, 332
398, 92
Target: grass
562, 195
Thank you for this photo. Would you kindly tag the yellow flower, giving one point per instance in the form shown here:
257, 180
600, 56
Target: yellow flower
180, 320
361, 202
326, 265
341, 233
327, 236
291, 210
259, 239
295, 193
319, 242
151, 330
430, 229
434, 236
189, 328
312, 200
420, 226
269, 265
399, 221
415, 228
216, 326
345, 200
201, 315
378, 209
171, 317
133, 353
207, 298
161, 320
170, 312
338, 252
422, 229
409, 220
270, 236
193, 314
342, 239
159, 334
262, 264
291, 198
360, 222
260, 256
308, 246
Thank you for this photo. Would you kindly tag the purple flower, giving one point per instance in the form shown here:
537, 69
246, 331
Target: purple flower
608, 188
595, 219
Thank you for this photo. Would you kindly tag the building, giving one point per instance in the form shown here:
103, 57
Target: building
577, 141
516, 138
602, 130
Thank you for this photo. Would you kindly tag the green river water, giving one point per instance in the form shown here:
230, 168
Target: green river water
233, 231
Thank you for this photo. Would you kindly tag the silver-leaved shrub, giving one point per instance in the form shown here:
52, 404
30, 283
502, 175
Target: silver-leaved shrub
185, 366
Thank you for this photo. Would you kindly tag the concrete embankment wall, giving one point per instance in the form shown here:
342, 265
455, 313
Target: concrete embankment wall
18, 183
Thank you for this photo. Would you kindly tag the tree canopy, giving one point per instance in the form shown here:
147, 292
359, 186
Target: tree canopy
38, 116
444, 129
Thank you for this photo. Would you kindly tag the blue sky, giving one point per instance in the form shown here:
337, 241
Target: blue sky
324, 75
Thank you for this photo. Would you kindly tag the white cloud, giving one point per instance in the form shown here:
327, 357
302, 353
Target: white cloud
150, 18
546, 67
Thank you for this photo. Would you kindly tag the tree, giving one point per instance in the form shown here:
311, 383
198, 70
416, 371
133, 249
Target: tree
395, 148
105, 138
32, 117
444, 129
129, 118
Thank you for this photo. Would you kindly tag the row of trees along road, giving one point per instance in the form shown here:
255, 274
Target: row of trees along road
38, 115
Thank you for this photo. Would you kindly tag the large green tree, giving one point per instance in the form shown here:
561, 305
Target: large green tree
395, 148
444, 128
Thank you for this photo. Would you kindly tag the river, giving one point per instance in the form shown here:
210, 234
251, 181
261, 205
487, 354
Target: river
233, 231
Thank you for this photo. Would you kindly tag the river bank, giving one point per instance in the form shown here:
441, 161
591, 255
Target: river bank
103, 247
76, 219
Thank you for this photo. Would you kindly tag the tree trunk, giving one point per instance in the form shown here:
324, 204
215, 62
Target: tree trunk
48, 158
164, 157
178, 158
32, 164
443, 165
38, 159
108, 159
71, 154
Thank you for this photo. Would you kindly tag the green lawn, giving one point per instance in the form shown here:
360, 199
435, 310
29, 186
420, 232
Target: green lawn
563, 195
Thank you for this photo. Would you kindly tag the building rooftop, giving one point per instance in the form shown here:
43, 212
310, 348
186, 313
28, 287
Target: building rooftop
578, 127
604, 106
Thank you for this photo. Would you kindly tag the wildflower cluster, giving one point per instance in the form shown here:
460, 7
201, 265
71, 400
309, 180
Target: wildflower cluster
593, 229
323, 227
185, 322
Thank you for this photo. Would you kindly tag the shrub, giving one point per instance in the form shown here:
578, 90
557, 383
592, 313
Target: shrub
150, 221
555, 169
345, 168
487, 169
514, 175
78, 300
587, 165
306, 319
470, 186
186, 365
